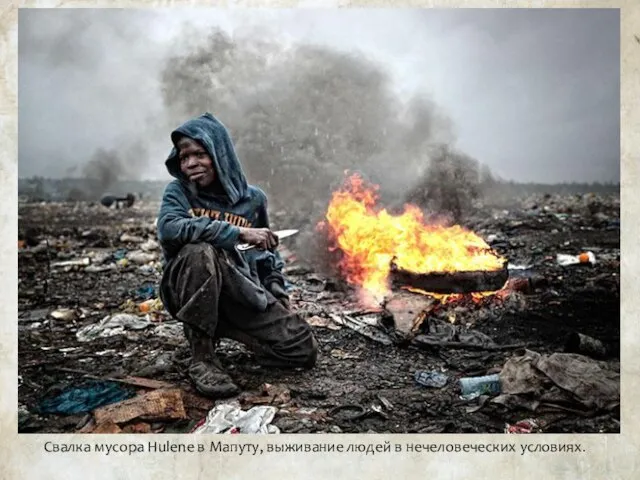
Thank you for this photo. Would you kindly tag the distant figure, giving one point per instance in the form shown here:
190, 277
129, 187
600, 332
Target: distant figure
111, 201
210, 286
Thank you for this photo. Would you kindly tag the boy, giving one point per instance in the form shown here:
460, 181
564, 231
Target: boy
210, 286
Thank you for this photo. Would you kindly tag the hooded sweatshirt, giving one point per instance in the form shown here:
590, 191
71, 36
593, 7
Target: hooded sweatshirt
189, 214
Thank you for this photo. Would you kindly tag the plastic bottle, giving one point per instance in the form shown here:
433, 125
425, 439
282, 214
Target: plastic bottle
476, 386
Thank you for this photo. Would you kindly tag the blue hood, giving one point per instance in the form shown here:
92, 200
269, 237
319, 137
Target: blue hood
213, 136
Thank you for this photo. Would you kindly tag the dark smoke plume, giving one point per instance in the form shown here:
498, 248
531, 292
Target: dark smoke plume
302, 114
106, 167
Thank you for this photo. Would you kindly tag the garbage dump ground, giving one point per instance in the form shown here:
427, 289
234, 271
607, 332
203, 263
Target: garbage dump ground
97, 352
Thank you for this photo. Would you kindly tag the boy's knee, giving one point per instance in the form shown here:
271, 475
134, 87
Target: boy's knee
196, 251
200, 257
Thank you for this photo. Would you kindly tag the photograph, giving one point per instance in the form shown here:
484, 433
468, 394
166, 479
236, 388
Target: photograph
358, 221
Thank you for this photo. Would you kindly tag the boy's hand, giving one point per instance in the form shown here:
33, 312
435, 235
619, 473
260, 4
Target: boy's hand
262, 238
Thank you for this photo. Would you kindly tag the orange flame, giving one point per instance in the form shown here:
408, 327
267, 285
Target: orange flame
370, 238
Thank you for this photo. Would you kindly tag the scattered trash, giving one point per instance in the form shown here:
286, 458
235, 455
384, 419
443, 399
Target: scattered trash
98, 257
151, 305
269, 395
585, 258
119, 254
387, 404
523, 426
111, 285
472, 387
146, 291
71, 263
321, 322
147, 269
170, 330
24, 415
150, 245
126, 238
66, 314
139, 257
85, 397
143, 382
139, 427
363, 328
108, 427
440, 333
511, 266
431, 379
109, 351
377, 409
226, 418
69, 349
100, 268
342, 355
559, 381
112, 325
155, 405
585, 345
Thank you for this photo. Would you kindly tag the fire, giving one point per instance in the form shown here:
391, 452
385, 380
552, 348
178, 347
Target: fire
370, 239
447, 298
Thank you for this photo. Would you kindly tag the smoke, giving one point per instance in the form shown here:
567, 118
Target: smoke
103, 79
89, 95
450, 185
300, 115
106, 167
108, 86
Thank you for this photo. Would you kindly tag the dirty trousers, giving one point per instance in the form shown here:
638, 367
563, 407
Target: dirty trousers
193, 291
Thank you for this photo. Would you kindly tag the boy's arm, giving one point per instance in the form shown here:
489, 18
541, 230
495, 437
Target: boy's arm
176, 226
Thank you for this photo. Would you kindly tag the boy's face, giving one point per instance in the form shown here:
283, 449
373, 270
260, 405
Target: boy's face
195, 162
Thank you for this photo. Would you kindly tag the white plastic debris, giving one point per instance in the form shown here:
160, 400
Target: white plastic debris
585, 258
106, 352
227, 418
147, 269
513, 266
66, 314
98, 258
100, 268
125, 237
140, 257
150, 245
112, 325
71, 263
69, 349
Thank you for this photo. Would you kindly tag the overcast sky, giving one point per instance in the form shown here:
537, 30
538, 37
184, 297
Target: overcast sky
534, 94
